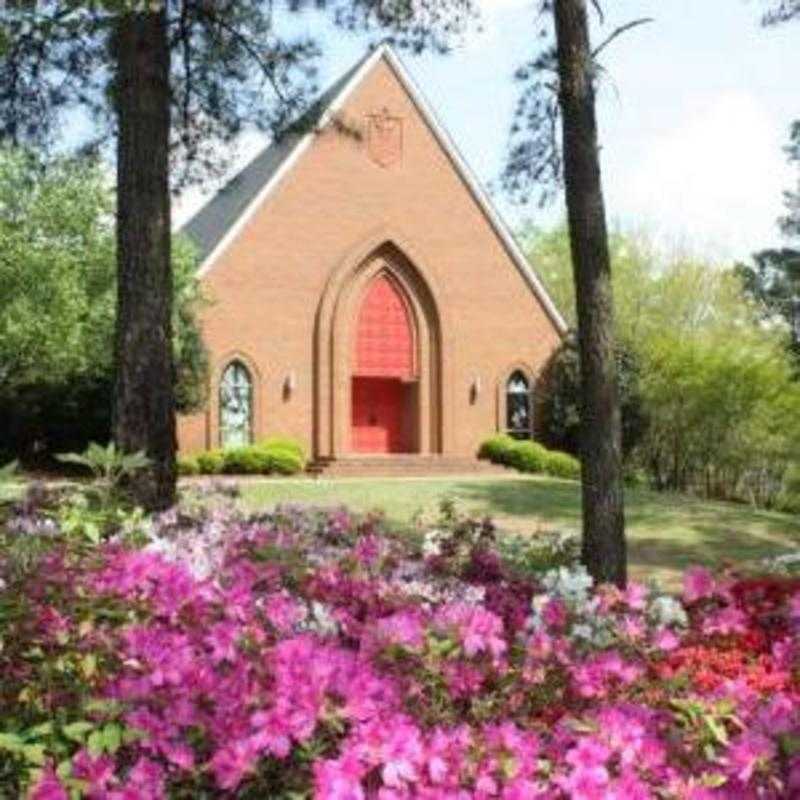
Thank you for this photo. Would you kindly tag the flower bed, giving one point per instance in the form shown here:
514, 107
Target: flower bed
307, 653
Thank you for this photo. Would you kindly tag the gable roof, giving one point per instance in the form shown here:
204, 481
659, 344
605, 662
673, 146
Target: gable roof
218, 222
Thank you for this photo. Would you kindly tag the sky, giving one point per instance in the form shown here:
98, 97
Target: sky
694, 113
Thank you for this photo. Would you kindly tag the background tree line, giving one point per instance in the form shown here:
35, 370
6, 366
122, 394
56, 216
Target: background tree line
58, 307
708, 373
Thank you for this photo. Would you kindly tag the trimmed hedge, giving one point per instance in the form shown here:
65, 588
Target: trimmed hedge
527, 457
530, 457
496, 448
275, 456
562, 465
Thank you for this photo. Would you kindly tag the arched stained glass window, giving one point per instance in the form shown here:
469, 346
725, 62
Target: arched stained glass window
519, 412
235, 406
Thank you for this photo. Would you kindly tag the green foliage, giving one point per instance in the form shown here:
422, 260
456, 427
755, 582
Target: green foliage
708, 399
252, 460
274, 456
539, 553
789, 498
773, 283
561, 399
562, 465
528, 457
496, 448
188, 465
285, 443
98, 511
8, 472
108, 465
211, 462
285, 461
58, 305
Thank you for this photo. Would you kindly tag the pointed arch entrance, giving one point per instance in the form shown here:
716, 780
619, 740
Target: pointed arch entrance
385, 376
378, 360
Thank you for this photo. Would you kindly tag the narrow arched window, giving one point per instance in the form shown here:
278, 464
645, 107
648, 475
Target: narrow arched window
235, 406
519, 411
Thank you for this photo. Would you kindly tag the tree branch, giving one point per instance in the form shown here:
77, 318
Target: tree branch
599, 9
618, 32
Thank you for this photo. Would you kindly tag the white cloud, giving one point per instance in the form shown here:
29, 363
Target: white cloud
714, 181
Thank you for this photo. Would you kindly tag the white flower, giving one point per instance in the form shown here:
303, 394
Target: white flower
320, 620
572, 585
432, 544
665, 610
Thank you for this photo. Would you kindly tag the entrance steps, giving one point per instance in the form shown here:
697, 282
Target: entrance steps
400, 466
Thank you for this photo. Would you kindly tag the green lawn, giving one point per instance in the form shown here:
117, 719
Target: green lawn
666, 532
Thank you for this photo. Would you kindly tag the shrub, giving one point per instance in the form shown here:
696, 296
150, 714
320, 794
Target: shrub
285, 461
264, 657
285, 443
211, 462
188, 466
562, 465
276, 456
528, 457
497, 449
789, 498
251, 460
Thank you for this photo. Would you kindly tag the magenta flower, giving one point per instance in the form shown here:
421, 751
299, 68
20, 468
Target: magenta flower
48, 787
231, 763
746, 752
665, 640
698, 584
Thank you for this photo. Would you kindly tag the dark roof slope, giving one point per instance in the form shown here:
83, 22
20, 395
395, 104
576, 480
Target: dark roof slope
212, 222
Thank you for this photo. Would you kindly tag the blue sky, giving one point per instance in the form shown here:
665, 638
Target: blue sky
694, 114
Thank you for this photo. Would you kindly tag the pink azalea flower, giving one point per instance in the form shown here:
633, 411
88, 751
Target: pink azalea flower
725, 622
665, 640
48, 787
636, 596
231, 763
589, 752
698, 583
744, 754
98, 771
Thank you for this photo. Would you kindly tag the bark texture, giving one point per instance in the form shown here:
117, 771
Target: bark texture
144, 401
604, 548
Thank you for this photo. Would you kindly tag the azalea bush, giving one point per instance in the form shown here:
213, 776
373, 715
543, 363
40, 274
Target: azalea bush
310, 653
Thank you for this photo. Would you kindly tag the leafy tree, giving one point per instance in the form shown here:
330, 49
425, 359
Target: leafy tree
57, 305
555, 137
706, 401
773, 280
170, 80
723, 413
560, 405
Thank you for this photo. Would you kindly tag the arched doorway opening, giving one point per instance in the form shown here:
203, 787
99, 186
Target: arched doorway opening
385, 377
376, 277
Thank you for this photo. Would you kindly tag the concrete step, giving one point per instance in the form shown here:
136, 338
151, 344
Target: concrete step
400, 465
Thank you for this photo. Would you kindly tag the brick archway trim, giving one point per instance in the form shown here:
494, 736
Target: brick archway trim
334, 328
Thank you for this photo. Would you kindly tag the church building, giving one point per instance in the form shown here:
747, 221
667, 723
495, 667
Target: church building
365, 296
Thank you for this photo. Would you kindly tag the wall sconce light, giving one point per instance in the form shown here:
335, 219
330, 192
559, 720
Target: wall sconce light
475, 389
289, 385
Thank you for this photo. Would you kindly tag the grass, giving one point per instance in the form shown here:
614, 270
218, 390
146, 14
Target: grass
666, 532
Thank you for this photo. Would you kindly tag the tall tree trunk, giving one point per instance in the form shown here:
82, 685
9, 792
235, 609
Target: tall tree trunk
144, 402
604, 549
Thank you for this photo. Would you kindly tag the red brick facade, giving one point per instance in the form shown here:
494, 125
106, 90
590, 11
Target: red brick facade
380, 197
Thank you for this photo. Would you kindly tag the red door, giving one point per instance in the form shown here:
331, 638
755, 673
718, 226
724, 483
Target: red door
384, 371
378, 415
